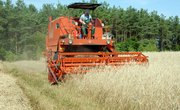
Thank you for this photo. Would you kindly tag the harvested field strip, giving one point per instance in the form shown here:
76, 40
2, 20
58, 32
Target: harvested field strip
42, 95
11, 95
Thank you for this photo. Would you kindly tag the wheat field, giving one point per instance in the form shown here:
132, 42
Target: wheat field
152, 87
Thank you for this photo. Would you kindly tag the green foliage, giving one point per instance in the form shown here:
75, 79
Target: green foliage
7, 55
147, 45
135, 45
10, 56
129, 45
22, 31
2, 54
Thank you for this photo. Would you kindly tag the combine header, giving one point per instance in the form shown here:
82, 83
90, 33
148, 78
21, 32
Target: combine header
68, 51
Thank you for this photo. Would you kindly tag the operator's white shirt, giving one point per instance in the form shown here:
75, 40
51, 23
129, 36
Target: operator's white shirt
84, 17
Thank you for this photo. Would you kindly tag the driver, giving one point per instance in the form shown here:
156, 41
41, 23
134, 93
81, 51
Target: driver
85, 19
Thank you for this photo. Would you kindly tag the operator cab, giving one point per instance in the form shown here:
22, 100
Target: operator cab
66, 32
96, 22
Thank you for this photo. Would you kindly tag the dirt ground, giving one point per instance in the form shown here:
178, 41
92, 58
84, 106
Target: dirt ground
11, 95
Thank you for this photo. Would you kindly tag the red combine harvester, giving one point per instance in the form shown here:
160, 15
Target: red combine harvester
68, 51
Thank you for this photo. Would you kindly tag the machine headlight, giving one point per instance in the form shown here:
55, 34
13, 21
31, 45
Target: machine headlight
104, 36
108, 41
102, 24
76, 23
70, 41
62, 41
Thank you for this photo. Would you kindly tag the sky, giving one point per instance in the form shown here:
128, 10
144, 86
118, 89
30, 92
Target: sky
165, 7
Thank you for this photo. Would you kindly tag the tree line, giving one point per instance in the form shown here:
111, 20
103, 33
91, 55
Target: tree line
23, 28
